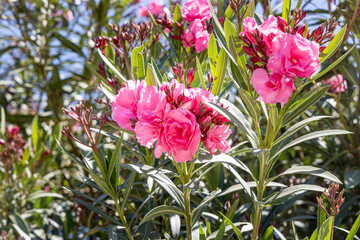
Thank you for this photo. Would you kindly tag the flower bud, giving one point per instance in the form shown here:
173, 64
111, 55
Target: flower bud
301, 30
281, 24
249, 50
190, 77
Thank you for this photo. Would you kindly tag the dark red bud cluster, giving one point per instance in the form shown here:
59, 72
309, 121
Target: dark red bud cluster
11, 148
335, 202
179, 71
84, 116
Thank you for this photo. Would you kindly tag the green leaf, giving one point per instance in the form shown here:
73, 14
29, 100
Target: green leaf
333, 45
235, 116
235, 229
160, 211
241, 180
3, 121
112, 67
251, 104
207, 199
137, 63
238, 187
72, 157
43, 194
297, 127
213, 54
269, 234
232, 40
354, 229
351, 178
67, 43
332, 65
115, 158
315, 234
326, 229
321, 215
304, 104
286, 10
35, 132
311, 171
178, 14
250, 11
231, 212
161, 179
290, 192
26, 156
20, 225
220, 72
309, 136
98, 211
128, 189
200, 73
220, 233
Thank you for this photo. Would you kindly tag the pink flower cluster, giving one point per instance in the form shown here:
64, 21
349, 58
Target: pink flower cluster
336, 82
286, 55
196, 12
173, 116
155, 7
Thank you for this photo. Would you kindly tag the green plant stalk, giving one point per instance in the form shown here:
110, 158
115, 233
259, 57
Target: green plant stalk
188, 213
258, 207
123, 219
185, 177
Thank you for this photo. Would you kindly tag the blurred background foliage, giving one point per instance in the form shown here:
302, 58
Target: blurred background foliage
44, 50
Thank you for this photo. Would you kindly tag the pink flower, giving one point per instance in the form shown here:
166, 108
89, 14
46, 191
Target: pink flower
151, 110
273, 89
269, 29
217, 139
180, 135
337, 83
197, 97
196, 9
124, 106
155, 7
196, 35
294, 56
13, 131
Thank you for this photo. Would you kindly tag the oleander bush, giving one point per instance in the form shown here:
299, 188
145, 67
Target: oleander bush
180, 120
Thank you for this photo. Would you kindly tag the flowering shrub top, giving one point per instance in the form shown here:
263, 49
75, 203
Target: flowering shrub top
174, 116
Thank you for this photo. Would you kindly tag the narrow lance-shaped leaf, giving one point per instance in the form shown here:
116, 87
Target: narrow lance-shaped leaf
137, 63
160, 211
212, 53
333, 45
220, 72
326, 229
310, 136
311, 171
354, 228
112, 67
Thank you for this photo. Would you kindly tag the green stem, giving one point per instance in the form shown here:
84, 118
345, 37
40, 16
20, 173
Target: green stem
185, 177
188, 214
123, 219
258, 206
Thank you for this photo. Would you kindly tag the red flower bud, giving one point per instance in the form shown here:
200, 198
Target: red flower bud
254, 59
249, 50
190, 77
14, 131
301, 30
281, 24
322, 48
176, 37
221, 20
